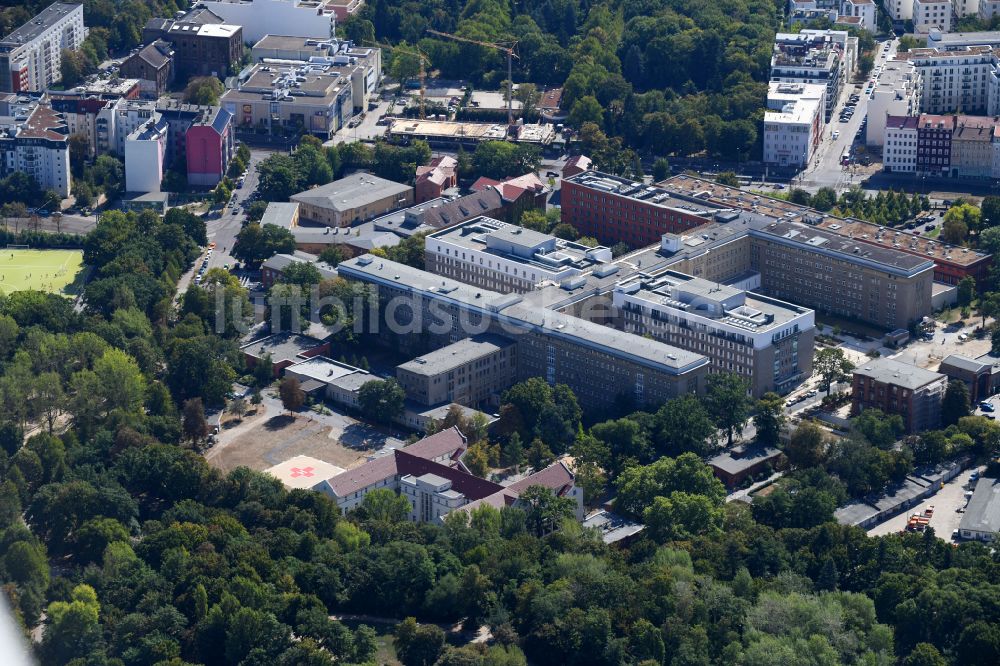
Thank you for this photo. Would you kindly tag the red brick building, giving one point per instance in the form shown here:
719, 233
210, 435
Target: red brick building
432, 180
616, 210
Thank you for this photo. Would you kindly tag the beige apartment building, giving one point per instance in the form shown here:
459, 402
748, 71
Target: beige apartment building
419, 311
355, 198
505, 257
473, 371
766, 341
834, 274
972, 147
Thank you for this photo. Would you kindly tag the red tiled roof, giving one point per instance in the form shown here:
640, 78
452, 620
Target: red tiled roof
556, 477
469, 485
44, 123
529, 181
448, 442
443, 161
483, 182
362, 476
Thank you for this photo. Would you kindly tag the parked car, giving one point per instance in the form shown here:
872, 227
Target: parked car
987, 407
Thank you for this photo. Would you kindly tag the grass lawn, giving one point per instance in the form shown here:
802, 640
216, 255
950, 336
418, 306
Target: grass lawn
54, 271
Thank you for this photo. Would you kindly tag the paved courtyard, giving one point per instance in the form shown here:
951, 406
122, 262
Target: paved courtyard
946, 503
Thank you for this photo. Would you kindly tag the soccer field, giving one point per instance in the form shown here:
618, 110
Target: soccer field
44, 270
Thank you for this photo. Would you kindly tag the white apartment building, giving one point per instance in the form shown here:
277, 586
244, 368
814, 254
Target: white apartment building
862, 9
38, 146
961, 80
932, 15
507, 258
899, 10
130, 116
897, 92
793, 123
825, 57
988, 9
30, 57
996, 150
145, 151
90, 116
899, 151
298, 18
966, 7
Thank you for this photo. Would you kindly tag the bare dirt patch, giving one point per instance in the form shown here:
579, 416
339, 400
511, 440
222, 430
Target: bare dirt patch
277, 438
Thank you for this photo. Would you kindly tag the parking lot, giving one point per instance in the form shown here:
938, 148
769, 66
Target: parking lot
947, 503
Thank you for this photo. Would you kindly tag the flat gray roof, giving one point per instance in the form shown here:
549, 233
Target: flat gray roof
38, 24
965, 363
891, 371
354, 381
324, 369
523, 317
982, 514
741, 459
281, 261
824, 241
352, 191
281, 347
289, 42
456, 354
613, 528
280, 214
476, 234
520, 235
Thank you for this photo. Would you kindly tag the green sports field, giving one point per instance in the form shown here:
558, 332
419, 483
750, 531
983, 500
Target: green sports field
45, 270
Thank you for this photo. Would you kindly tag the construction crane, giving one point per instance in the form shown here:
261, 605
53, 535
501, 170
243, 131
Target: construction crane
509, 50
421, 58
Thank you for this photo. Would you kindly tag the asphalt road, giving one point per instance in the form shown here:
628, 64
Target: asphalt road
222, 230
826, 169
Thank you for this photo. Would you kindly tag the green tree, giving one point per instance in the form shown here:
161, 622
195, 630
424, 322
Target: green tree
334, 254
586, 110
681, 516
502, 159
204, 90
638, 485
832, 365
769, 419
683, 424
73, 626
417, 645
544, 509
966, 290
539, 454
958, 222
512, 452
291, 394
728, 402
381, 399
924, 654
383, 505
806, 447
661, 169
194, 425
955, 404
